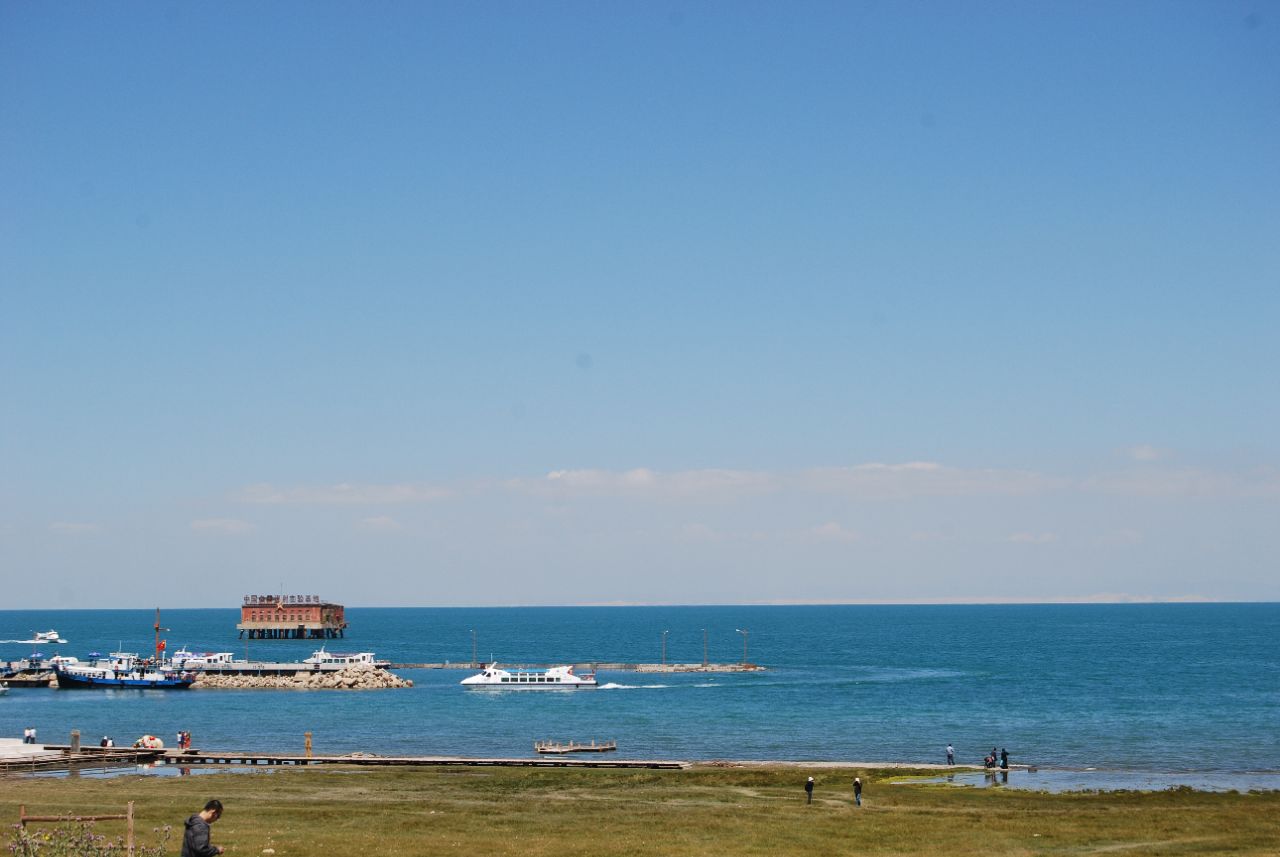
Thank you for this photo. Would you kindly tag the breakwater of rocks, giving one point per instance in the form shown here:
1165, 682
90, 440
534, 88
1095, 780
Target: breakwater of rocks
352, 678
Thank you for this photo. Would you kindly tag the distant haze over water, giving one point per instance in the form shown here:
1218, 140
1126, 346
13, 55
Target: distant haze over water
1141, 687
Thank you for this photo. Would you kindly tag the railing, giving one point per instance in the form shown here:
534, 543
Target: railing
127, 818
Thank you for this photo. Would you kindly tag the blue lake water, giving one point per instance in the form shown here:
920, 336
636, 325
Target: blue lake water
1169, 688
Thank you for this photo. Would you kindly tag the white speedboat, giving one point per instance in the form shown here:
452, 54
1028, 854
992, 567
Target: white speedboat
553, 678
342, 660
38, 637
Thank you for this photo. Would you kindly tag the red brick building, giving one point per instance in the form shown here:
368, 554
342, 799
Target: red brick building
290, 617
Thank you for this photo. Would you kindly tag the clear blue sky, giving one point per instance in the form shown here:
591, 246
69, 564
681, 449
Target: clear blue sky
455, 303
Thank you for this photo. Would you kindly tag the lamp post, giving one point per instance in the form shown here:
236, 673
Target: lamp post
664, 647
704, 648
473, 647
745, 634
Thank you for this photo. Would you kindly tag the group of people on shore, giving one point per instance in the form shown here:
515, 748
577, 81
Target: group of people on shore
988, 762
29, 735
857, 791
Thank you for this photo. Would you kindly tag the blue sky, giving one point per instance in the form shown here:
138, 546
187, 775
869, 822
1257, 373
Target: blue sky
659, 303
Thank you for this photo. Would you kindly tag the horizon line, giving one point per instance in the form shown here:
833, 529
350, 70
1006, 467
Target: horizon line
1011, 602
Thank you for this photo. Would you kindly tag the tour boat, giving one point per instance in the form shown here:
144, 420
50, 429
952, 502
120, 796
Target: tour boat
553, 678
342, 660
121, 669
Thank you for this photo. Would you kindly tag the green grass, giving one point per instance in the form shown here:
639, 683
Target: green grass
704, 811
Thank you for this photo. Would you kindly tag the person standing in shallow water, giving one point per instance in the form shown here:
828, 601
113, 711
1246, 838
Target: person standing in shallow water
808, 790
1004, 759
857, 791
195, 838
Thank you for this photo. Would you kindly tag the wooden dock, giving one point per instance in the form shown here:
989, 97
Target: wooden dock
224, 757
51, 757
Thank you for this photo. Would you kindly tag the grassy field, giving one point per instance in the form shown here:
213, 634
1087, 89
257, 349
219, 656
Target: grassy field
704, 811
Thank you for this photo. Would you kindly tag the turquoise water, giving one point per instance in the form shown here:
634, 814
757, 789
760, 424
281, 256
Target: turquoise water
1140, 688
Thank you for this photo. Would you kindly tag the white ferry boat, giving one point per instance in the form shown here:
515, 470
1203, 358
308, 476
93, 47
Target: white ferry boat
553, 678
342, 660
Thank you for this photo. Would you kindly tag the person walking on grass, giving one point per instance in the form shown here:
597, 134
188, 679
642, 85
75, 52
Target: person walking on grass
808, 790
857, 791
195, 839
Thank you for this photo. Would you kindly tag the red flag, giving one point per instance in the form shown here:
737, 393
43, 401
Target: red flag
163, 643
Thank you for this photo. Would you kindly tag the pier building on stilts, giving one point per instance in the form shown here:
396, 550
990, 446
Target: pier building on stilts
291, 617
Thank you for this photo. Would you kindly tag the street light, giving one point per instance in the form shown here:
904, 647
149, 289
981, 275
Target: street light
745, 634
664, 647
704, 648
473, 647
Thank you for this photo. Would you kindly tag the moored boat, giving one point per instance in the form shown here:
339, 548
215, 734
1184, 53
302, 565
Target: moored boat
122, 669
186, 660
341, 660
553, 678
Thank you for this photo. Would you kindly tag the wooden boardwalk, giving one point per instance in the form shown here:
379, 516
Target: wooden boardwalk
58, 758
224, 757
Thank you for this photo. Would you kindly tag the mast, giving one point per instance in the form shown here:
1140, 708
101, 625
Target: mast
158, 630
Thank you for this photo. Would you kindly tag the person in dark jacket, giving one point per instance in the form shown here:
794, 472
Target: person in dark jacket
195, 839
808, 790
857, 791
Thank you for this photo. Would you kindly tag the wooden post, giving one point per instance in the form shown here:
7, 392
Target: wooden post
75, 741
308, 737
128, 835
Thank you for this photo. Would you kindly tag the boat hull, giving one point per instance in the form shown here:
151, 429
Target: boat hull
80, 682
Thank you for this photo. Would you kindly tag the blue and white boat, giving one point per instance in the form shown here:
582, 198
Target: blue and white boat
122, 669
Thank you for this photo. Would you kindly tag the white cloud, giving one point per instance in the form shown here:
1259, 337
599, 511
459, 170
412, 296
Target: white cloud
1146, 452
1033, 538
874, 481
380, 524
700, 533
72, 528
919, 479
834, 532
643, 482
1185, 482
227, 526
342, 494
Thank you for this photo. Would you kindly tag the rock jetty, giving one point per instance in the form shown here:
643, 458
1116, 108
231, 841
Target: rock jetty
352, 678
